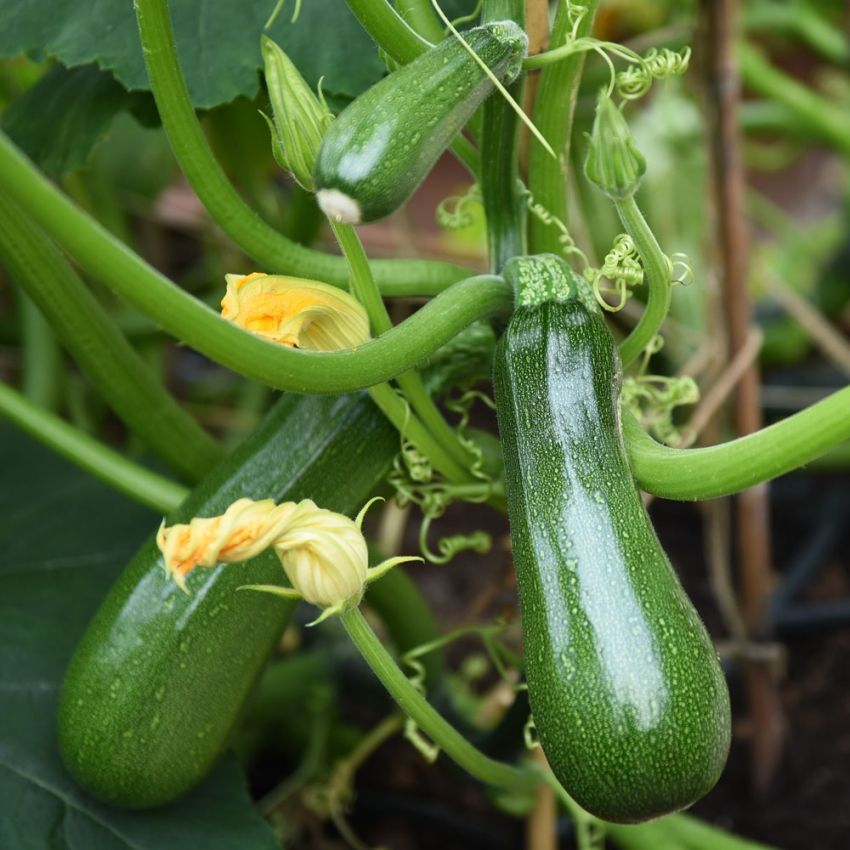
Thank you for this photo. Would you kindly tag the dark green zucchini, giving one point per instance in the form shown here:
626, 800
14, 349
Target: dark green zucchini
157, 683
627, 694
382, 145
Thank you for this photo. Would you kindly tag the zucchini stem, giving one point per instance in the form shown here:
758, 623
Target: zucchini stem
140, 484
437, 441
657, 271
193, 323
389, 30
553, 115
41, 358
727, 468
255, 237
118, 373
427, 718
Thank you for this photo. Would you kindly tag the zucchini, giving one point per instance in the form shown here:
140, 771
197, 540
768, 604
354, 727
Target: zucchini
625, 686
159, 678
384, 143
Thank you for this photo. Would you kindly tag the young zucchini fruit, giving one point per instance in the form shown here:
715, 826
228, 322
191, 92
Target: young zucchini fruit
382, 145
629, 701
159, 678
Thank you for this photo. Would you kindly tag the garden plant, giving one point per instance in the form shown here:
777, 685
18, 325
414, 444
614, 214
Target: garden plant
598, 698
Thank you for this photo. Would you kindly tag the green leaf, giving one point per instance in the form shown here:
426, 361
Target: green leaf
66, 537
218, 42
65, 115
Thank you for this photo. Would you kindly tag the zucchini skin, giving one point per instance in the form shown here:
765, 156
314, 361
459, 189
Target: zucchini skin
381, 147
159, 678
628, 697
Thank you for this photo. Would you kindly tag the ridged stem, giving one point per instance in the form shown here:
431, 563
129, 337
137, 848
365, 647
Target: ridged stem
41, 357
426, 717
727, 468
389, 30
190, 321
117, 372
657, 273
274, 252
500, 183
135, 481
441, 438
421, 17
553, 116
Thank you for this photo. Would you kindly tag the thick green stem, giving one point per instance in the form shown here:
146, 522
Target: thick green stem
109, 260
361, 283
657, 273
430, 721
117, 372
816, 111
129, 478
398, 412
734, 466
269, 248
420, 15
553, 115
389, 30
363, 287
41, 359
500, 183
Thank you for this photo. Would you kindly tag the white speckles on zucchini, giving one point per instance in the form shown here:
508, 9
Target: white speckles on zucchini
628, 697
382, 145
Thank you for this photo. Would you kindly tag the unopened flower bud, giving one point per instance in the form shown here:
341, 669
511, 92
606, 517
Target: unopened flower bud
300, 117
295, 312
324, 556
613, 162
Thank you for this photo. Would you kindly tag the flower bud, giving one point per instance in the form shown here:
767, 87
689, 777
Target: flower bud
324, 556
613, 162
295, 312
300, 118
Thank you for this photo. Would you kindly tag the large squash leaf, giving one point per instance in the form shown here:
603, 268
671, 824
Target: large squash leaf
218, 42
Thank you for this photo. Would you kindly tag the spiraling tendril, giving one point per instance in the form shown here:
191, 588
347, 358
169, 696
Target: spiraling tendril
636, 80
457, 212
622, 271
653, 398
416, 482
504, 661
565, 239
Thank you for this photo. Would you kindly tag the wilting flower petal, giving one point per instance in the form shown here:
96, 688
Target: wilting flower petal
295, 312
323, 553
244, 530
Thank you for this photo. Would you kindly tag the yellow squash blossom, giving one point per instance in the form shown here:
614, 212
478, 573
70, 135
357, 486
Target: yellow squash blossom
323, 553
294, 311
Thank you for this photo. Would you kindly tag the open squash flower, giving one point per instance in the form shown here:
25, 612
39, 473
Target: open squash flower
323, 553
294, 311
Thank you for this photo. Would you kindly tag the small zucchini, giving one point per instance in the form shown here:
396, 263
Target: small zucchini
628, 697
382, 145
159, 678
